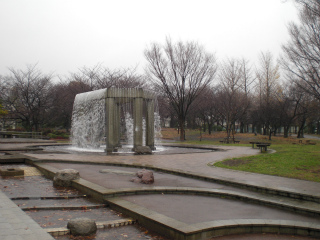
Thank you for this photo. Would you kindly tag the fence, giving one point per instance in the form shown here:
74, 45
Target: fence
12, 134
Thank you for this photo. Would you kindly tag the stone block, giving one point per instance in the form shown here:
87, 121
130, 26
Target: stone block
82, 227
64, 178
11, 172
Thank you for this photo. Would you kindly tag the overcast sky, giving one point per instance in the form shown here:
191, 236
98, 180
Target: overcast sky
64, 35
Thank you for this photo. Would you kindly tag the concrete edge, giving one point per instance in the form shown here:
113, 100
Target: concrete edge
314, 197
178, 230
102, 193
261, 200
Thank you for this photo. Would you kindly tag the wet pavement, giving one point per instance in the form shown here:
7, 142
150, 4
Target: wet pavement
198, 165
60, 218
113, 177
132, 232
36, 186
193, 209
37, 192
183, 208
264, 236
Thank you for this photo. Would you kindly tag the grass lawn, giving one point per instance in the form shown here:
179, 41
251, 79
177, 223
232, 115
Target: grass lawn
291, 159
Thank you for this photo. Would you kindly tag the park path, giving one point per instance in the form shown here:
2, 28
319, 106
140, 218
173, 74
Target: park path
197, 163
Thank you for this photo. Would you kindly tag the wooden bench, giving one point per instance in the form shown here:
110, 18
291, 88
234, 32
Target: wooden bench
263, 146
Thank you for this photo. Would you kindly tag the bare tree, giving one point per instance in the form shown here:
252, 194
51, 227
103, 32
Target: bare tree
98, 77
268, 85
206, 108
301, 55
182, 71
85, 80
287, 105
2, 110
27, 96
232, 98
247, 80
311, 5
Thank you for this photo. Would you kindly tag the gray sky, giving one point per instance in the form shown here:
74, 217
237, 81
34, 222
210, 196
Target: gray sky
64, 35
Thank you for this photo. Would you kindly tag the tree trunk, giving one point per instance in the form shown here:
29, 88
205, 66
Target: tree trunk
228, 130
204, 125
209, 126
182, 130
172, 121
300, 132
241, 127
253, 128
286, 131
264, 131
270, 133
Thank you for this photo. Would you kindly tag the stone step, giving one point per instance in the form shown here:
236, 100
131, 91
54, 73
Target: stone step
100, 225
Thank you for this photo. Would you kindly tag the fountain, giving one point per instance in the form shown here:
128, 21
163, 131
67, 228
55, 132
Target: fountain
114, 116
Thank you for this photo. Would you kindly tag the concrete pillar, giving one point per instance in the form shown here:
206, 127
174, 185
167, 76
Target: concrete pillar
116, 127
150, 125
110, 122
137, 121
114, 98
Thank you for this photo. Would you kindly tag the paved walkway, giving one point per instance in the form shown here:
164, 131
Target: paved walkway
190, 163
16, 225
198, 164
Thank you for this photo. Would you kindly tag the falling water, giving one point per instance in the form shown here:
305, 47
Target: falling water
89, 117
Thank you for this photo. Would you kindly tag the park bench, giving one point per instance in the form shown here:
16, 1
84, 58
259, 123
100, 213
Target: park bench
253, 143
263, 146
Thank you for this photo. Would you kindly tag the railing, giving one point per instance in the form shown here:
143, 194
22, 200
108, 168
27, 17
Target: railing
12, 134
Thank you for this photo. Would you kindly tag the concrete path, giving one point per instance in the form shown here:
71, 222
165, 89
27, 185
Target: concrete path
16, 225
198, 164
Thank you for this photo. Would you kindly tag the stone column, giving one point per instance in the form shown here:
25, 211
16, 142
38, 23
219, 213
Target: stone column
137, 119
110, 119
117, 125
150, 125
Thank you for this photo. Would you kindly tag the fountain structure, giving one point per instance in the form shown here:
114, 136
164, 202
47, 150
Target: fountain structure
113, 116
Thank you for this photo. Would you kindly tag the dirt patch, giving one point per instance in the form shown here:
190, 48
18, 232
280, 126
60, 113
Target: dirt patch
315, 170
236, 162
